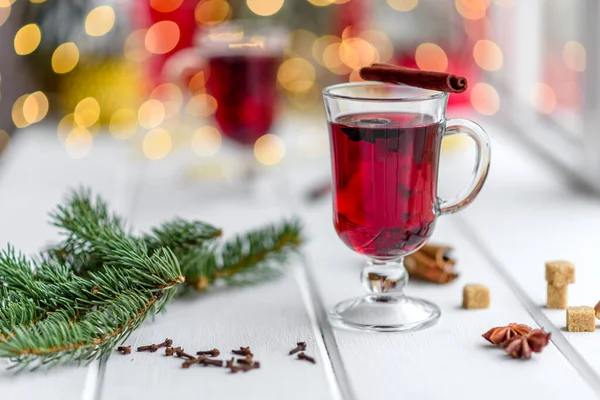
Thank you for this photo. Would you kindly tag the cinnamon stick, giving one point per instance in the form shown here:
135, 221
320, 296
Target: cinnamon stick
432, 263
432, 80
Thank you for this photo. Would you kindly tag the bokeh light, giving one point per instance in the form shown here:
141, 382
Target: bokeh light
264, 7
381, 42
296, 74
201, 105
321, 44
27, 39
543, 98
157, 144
403, 5
485, 99
355, 76
269, 149
197, 82
472, 9
170, 96
135, 48
123, 124
302, 41
162, 37
100, 21
574, 56
210, 12
35, 107
488, 55
321, 3
206, 141
65, 126
4, 13
165, 6
431, 57
151, 113
87, 112
65, 58
356, 53
17, 112
79, 142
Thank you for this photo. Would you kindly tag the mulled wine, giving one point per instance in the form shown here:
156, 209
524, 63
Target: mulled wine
385, 168
244, 86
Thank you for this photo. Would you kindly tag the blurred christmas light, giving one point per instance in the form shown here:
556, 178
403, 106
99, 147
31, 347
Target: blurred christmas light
134, 47
4, 13
430, 56
485, 99
65, 126
37, 1
162, 37
543, 98
35, 107
17, 112
355, 76
356, 53
100, 21
488, 55
79, 142
381, 42
165, 6
212, 12
319, 46
65, 58
27, 39
87, 112
574, 56
472, 9
269, 149
4, 140
321, 3
123, 124
403, 5
264, 7
296, 74
151, 113
201, 105
171, 97
157, 144
197, 82
331, 56
206, 141
6, 3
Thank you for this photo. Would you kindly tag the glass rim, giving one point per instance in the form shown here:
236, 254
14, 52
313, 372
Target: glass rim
328, 92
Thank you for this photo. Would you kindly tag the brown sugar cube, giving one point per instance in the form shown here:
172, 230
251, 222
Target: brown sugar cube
560, 273
475, 296
597, 310
557, 297
581, 319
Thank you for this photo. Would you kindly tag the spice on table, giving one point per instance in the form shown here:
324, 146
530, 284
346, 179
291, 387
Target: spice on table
300, 346
581, 319
440, 81
243, 368
432, 263
208, 361
476, 296
154, 347
211, 353
243, 351
559, 274
502, 334
523, 346
169, 351
191, 361
124, 349
246, 360
303, 356
181, 353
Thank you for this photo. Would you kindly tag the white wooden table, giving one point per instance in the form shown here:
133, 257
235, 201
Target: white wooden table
523, 217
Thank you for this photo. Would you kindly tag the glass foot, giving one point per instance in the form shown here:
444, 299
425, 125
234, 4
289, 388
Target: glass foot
385, 313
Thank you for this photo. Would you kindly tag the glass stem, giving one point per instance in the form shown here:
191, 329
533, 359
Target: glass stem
385, 278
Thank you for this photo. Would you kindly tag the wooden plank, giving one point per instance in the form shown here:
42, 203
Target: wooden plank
35, 174
269, 317
535, 218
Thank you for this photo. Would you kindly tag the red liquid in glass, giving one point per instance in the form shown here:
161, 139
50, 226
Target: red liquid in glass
385, 181
245, 90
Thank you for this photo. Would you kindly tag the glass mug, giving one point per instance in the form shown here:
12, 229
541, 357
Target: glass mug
385, 151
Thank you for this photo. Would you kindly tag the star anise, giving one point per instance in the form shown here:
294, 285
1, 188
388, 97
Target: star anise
502, 334
522, 346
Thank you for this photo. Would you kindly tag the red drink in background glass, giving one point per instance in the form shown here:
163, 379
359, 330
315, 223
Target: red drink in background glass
385, 181
244, 86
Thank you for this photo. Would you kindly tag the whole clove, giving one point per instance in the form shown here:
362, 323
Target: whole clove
181, 353
243, 351
169, 351
244, 368
208, 361
246, 360
187, 363
152, 348
124, 349
303, 356
301, 346
211, 353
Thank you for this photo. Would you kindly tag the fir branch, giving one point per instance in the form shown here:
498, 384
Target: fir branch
181, 236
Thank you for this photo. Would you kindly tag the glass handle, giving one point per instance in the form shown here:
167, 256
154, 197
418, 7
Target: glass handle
482, 166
